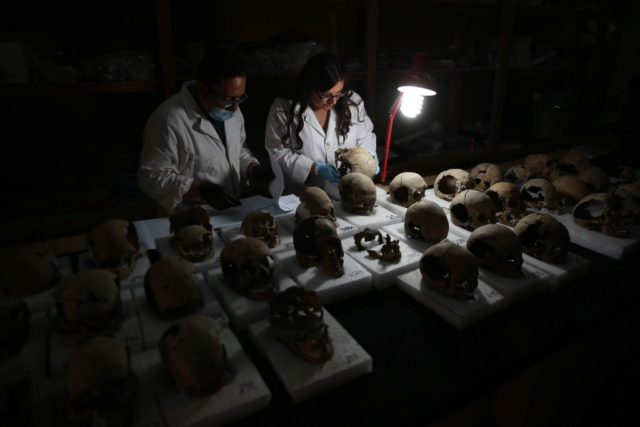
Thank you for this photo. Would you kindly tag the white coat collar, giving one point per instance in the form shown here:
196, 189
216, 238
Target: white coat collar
310, 117
201, 122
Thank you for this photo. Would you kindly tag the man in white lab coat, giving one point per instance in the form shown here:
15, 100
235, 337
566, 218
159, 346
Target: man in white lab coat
194, 144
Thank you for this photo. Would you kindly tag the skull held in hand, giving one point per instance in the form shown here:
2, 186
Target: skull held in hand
355, 159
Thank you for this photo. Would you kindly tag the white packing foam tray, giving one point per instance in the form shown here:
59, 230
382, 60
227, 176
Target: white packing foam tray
384, 199
62, 345
286, 236
383, 273
153, 326
135, 279
241, 310
165, 249
343, 228
45, 301
460, 313
303, 379
574, 266
30, 361
429, 194
379, 216
247, 392
355, 280
397, 230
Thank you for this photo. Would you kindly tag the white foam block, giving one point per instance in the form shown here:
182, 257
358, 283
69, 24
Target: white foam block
247, 393
383, 273
460, 313
165, 249
430, 195
30, 362
355, 280
573, 267
135, 279
153, 326
145, 365
343, 228
285, 234
62, 345
397, 230
384, 199
379, 217
304, 380
149, 230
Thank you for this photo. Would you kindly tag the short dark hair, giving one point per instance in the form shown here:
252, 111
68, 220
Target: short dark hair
221, 63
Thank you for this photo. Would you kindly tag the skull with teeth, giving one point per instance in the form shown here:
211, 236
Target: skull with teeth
427, 221
249, 268
630, 195
571, 190
113, 245
450, 269
485, 175
542, 166
28, 271
357, 193
596, 179
355, 159
507, 202
544, 237
601, 212
451, 182
171, 287
261, 225
407, 188
193, 356
573, 162
517, 174
498, 249
472, 208
296, 318
538, 193
316, 243
193, 242
193, 215
315, 201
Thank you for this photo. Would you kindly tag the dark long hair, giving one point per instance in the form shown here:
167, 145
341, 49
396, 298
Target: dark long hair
321, 72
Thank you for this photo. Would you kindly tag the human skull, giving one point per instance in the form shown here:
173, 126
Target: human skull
570, 189
484, 175
193, 356
102, 387
114, 245
261, 225
296, 318
542, 166
625, 174
355, 159
193, 215
573, 162
601, 212
451, 182
498, 249
15, 325
193, 242
472, 208
450, 269
507, 202
249, 268
517, 174
544, 237
28, 271
357, 193
630, 195
89, 302
407, 188
315, 201
427, 221
316, 243
539, 193
596, 179
171, 287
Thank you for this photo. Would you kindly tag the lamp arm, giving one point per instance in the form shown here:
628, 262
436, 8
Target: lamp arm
387, 145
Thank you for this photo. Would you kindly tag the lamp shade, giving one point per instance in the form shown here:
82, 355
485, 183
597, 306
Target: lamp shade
417, 80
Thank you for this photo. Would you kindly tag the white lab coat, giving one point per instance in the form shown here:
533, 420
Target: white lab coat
180, 144
317, 146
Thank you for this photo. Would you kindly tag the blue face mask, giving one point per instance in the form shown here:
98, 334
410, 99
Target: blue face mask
220, 114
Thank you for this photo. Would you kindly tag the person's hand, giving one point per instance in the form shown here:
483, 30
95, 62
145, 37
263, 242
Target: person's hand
328, 172
216, 196
261, 173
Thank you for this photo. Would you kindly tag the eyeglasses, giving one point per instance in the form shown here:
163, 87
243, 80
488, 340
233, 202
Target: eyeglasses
326, 96
226, 102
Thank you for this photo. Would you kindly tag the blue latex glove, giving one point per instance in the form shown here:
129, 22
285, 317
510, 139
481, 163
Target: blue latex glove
328, 172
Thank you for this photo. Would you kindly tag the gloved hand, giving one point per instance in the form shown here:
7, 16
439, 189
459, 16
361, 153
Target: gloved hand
328, 172
262, 173
217, 196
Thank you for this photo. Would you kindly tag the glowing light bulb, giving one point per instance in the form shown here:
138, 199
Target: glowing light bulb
411, 104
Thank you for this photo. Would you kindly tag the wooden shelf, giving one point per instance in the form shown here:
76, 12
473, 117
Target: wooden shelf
81, 88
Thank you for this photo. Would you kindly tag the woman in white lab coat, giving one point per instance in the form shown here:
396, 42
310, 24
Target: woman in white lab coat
319, 115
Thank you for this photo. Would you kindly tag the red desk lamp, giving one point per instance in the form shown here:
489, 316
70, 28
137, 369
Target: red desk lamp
413, 87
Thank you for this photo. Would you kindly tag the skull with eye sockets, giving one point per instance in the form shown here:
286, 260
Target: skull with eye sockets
261, 225
407, 188
451, 182
630, 195
573, 162
484, 175
316, 243
450, 269
570, 189
543, 237
114, 245
601, 212
315, 201
539, 193
472, 208
171, 287
296, 318
357, 193
193, 215
249, 268
507, 202
355, 159
498, 249
427, 221
517, 174
542, 166
193, 242
596, 179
